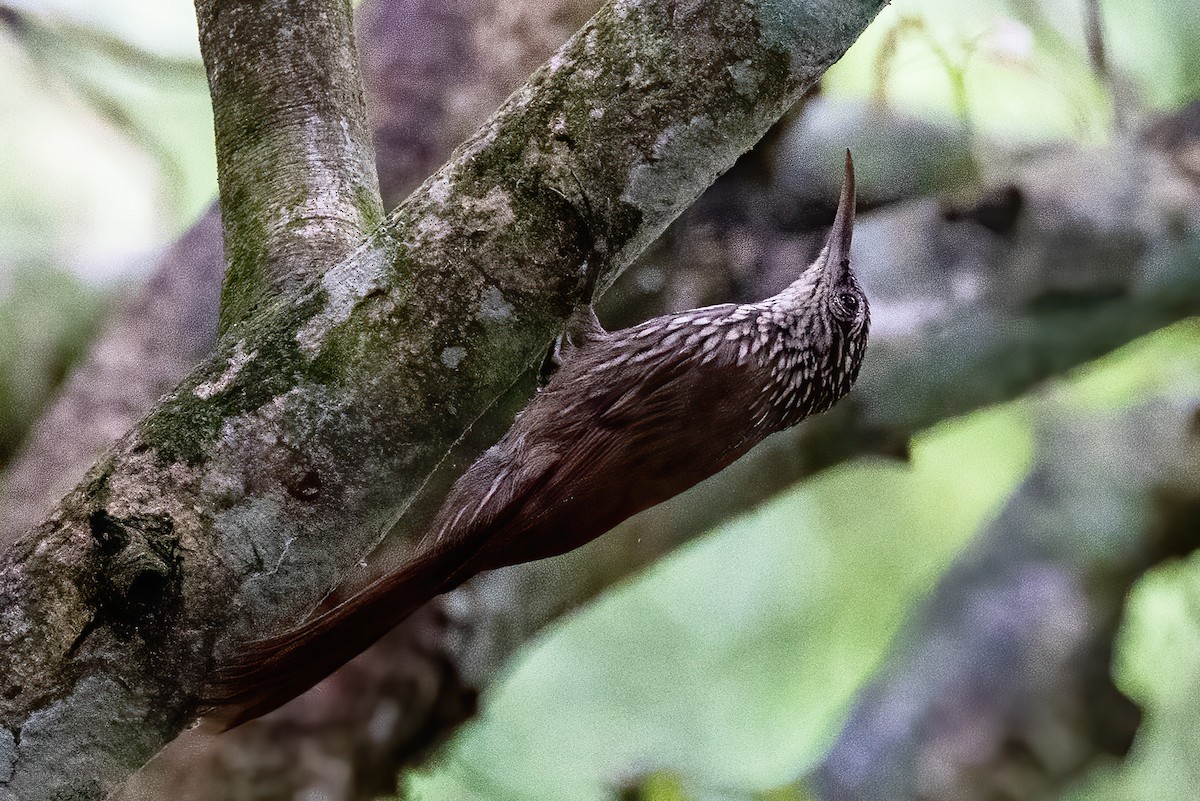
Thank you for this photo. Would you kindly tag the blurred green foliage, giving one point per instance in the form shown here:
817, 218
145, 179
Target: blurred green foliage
1160, 669
154, 101
1158, 649
108, 148
47, 318
732, 663
1018, 70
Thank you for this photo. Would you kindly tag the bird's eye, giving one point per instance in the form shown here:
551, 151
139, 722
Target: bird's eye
849, 303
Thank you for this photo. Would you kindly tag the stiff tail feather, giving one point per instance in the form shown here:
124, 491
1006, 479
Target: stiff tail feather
265, 674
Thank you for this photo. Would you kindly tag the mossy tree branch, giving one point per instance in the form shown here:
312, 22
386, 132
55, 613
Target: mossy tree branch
276, 463
295, 162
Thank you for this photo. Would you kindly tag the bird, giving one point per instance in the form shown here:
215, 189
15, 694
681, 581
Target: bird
629, 419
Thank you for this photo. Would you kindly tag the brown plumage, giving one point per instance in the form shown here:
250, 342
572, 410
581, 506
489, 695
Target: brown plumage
631, 418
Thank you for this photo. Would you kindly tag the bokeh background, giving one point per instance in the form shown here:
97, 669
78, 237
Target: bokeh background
727, 670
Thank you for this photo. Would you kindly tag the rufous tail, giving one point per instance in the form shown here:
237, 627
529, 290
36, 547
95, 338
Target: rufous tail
265, 674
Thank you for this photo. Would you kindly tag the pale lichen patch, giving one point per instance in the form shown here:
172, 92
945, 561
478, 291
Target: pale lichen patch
237, 361
431, 227
14, 623
102, 714
493, 306
129, 491
8, 754
637, 76
662, 143
484, 139
745, 78
439, 189
558, 61
362, 272
689, 155
453, 356
495, 204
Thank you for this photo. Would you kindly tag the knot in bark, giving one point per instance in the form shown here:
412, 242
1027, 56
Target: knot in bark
139, 559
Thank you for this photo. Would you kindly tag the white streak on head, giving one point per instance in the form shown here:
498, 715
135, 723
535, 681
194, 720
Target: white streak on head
649, 330
644, 356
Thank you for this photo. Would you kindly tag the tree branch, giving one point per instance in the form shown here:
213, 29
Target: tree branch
434, 71
296, 166
270, 468
1002, 685
709, 225
147, 346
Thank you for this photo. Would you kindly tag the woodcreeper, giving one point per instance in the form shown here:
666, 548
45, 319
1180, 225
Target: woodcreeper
631, 418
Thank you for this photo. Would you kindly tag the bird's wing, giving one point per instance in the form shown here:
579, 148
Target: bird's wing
626, 448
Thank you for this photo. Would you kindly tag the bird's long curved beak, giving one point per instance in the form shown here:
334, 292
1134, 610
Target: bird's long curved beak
837, 257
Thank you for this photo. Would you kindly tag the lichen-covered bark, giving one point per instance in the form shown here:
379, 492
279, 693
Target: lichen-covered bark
734, 223
294, 157
276, 463
435, 70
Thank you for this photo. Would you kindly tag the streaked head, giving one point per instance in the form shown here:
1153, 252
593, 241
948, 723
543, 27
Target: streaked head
830, 307
839, 296
830, 277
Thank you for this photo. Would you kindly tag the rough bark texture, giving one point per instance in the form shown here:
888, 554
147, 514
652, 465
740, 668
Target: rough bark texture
1002, 687
148, 345
275, 464
294, 156
433, 72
